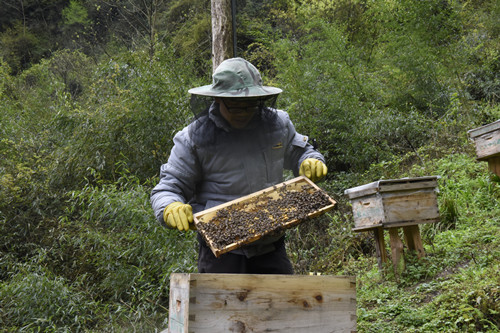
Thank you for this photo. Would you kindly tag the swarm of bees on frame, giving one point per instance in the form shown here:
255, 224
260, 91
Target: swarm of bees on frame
261, 215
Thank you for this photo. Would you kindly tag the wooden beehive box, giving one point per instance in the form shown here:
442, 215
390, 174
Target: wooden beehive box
394, 203
215, 303
258, 203
487, 141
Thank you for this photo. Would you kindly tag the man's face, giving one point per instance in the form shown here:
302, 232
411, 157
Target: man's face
238, 111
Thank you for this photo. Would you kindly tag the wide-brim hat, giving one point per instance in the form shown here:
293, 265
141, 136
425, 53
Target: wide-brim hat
236, 77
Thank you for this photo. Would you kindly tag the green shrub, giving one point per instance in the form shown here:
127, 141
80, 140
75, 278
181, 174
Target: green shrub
41, 302
20, 47
107, 253
128, 257
321, 77
132, 110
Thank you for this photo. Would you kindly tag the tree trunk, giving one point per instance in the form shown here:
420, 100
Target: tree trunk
222, 32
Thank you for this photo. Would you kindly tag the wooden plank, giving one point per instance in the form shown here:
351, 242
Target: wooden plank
408, 180
413, 240
473, 133
494, 165
178, 307
385, 185
408, 223
378, 234
396, 251
272, 303
368, 212
418, 205
363, 190
392, 187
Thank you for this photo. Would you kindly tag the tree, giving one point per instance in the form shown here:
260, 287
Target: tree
222, 31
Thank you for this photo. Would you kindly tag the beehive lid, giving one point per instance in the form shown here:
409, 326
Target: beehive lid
247, 216
390, 185
473, 133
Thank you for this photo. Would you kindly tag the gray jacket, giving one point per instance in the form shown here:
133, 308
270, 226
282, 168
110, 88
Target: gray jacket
211, 163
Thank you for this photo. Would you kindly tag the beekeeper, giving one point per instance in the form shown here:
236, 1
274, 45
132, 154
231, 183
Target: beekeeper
240, 144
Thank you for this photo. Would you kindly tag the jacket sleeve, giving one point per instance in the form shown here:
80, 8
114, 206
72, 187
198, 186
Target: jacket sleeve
298, 147
178, 177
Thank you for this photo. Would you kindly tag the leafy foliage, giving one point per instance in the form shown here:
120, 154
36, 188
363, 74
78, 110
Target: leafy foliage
132, 111
49, 301
104, 260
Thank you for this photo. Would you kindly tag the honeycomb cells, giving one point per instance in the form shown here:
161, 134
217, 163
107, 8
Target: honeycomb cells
245, 222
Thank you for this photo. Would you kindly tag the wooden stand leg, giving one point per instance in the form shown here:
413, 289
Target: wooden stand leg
378, 234
494, 165
413, 240
397, 251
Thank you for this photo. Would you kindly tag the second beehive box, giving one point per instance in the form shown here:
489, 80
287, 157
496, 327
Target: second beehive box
487, 140
394, 203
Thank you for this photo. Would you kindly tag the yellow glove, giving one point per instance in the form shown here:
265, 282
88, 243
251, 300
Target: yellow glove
313, 169
178, 215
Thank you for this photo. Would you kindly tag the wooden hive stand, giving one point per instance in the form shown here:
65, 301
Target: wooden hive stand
393, 204
412, 239
487, 141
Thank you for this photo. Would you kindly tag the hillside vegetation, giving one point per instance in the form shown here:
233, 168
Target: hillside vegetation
92, 92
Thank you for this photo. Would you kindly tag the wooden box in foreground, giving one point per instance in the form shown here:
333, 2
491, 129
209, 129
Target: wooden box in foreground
487, 141
394, 203
215, 303
272, 209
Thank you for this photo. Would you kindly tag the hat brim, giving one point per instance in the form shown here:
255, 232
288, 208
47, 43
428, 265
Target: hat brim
260, 91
